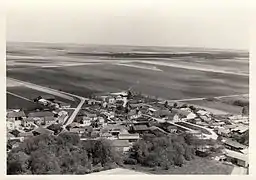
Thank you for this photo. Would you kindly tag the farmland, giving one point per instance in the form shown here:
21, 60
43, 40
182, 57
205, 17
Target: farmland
172, 83
84, 70
16, 102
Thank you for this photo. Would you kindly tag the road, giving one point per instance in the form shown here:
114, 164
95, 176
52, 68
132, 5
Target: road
43, 89
57, 93
203, 98
21, 97
212, 134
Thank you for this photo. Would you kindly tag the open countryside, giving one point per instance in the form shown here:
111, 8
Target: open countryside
126, 107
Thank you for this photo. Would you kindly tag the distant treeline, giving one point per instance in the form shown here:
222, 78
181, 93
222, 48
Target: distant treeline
218, 55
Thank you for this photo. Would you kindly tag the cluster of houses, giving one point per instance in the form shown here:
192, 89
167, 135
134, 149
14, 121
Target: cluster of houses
123, 121
22, 124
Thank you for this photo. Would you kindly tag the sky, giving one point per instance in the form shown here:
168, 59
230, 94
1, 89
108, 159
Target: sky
203, 23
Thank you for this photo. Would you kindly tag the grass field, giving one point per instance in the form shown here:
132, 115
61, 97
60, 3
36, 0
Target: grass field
198, 166
14, 102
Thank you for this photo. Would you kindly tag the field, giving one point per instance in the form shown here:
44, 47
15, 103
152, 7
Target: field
203, 166
16, 102
75, 69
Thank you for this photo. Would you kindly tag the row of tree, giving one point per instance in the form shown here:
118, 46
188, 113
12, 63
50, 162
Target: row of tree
63, 154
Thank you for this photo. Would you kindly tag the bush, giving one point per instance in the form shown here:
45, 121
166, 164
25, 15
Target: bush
130, 161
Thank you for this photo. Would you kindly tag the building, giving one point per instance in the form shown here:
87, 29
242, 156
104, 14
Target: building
28, 122
184, 115
121, 145
140, 128
77, 130
41, 130
223, 132
241, 129
134, 114
237, 158
129, 137
14, 119
233, 145
41, 115
172, 129
14, 115
26, 135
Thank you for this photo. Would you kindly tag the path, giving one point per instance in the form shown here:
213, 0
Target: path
21, 97
43, 89
57, 93
204, 98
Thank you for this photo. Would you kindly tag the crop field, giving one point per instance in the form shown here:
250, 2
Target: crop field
13, 102
171, 83
29, 94
83, 70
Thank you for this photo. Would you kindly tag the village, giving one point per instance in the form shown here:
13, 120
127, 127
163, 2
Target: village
124, 117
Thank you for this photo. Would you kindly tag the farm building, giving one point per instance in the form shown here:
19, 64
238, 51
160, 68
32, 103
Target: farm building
237, 158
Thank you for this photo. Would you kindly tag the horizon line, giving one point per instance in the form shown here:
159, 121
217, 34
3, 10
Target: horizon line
128, 45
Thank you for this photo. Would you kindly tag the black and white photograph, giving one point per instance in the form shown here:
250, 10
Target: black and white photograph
124, 87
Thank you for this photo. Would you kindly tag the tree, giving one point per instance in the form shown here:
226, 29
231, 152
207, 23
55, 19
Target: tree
245, 111
175, 105
56, 128
17, 163
166, 104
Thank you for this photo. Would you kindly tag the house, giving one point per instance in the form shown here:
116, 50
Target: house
13, 115
129, 137
41, 114
163, 113
77, 130
63, 104
134, 114
49, 120
110, 100
26, 135
184, 115
121, 145
14, 119
41, 130
107, 135
241, 129
12, 124
86, 121
237, 158
172, 129
196, 121
28, 122
223, 132
140, 128
233, 145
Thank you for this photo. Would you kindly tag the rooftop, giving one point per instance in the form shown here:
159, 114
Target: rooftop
13, 114
41, 114
41, 130
236, 155
120, 143
180, 112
